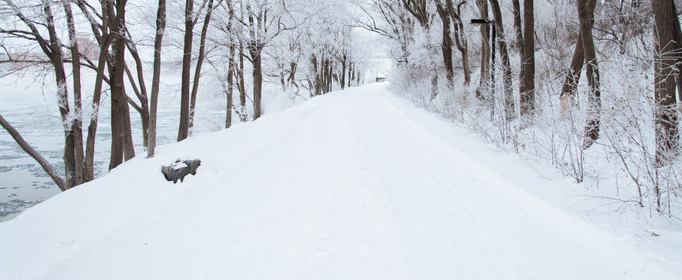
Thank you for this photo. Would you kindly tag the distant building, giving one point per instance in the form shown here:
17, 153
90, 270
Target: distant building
380, 78
87, 47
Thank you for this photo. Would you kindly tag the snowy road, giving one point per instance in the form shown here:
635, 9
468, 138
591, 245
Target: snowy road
347, 186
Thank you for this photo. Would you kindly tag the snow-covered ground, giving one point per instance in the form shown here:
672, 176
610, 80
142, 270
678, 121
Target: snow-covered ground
356, 184
28, 102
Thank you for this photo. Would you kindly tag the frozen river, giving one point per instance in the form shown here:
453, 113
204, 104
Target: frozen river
29, 104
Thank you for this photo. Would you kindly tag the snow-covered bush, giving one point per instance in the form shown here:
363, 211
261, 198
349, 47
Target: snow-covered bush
622, 163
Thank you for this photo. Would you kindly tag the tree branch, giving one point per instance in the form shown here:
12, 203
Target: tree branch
33, 153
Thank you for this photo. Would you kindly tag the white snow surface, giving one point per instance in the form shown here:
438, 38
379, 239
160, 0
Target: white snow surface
355, 184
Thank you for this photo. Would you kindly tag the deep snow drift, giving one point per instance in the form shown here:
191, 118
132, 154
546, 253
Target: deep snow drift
351, 185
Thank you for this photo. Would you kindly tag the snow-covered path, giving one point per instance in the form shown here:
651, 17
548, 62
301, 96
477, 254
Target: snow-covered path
347, 186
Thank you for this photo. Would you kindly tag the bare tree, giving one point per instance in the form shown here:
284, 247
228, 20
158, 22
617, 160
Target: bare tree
263, 22
105, 39
225, 22
200, 61
398, 26
51, 47
419, 9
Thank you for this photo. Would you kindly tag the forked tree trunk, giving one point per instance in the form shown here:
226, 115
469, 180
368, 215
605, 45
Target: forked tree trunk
586, 16
104, 39
460, 38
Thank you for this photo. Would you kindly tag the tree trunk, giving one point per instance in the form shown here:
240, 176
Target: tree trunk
483, 89
140, 92
586, 16
666, 47
230, 87
119, 99
316, 75
183, 129
156, 76
518, 25
282, 80
241, 85
460, 39
128, 147
57, 59
518, 28
200, 62
77, 126
527, 84
257, 81
351, 72
446, 46
342, 81
506, 67
99, 78
49, 169
291, 80
230, 67
330, 78
568, 91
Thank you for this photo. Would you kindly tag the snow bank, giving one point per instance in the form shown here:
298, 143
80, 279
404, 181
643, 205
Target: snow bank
355, 184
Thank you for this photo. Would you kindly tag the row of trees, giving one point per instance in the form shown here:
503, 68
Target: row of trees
411, 27
298, 44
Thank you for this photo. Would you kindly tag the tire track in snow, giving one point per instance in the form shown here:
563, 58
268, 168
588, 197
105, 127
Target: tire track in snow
477, 223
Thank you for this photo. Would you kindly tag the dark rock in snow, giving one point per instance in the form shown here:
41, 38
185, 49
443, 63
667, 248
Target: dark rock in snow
180, 168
